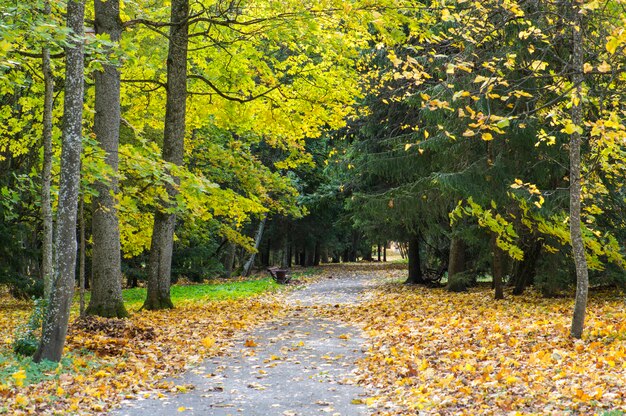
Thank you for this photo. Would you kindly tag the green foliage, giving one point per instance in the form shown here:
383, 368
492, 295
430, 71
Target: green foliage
27, 335
45, 370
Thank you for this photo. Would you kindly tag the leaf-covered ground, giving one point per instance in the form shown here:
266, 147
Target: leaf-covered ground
449, 353
427, 350
108, 360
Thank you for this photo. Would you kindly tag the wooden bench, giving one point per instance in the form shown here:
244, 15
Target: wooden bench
279, 275
434, 276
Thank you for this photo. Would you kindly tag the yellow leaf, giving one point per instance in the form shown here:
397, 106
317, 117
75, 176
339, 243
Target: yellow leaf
250, 343
604, 67
587, 68
19, 377
468, 133
569, 128
612, 44
371, 400
181, 409
60, 391
511, 380
21, 401
487, 137
407, 146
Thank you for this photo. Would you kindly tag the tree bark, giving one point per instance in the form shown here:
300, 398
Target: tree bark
247, 268
415, 269
524, 271
286, 260
497, 268
578, 246
81, 261
47, 249
317, 255
229, 259
54, 328
456, 261
106, 292
160, 262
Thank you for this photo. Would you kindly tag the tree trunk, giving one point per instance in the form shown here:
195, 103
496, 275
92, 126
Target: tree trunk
415, 268
317, 256
47, 249
160, 262
385, 252
265, 258
524, 271
456, 261
497, 268
247, 268
229, 259
106, 292
81, 261
379, 252
578, 246
54, 328
309, 257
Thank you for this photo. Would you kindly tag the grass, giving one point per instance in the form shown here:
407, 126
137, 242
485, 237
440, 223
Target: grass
206, 292
212, 291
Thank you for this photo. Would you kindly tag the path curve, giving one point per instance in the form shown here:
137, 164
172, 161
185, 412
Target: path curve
302, 365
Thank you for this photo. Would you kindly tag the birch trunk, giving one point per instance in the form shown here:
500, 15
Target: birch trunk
247, 268
54, 329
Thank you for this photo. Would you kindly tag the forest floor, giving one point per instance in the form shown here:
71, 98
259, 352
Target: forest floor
353, 340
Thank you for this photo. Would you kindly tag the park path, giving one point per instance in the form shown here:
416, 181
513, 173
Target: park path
300, 365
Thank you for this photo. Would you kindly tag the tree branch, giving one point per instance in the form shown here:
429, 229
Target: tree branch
230, 97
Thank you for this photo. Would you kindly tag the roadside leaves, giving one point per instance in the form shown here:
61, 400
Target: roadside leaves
110, 360
444, 353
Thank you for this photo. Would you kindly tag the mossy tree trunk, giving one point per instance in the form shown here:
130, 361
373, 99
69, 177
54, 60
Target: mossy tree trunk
47, 247
54, 328
106, 291
160, 261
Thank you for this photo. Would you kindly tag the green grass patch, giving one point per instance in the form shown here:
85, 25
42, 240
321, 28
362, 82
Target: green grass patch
212, 291
206, 292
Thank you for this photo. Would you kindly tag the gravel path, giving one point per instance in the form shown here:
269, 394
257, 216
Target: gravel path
302, 365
